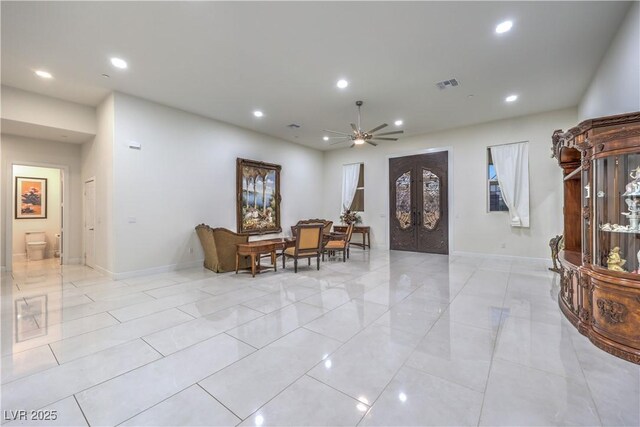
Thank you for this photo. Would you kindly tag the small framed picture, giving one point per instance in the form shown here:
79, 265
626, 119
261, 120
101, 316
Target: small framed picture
31, 198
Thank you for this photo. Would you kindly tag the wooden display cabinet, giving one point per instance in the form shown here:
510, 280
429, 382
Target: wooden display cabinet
600, 158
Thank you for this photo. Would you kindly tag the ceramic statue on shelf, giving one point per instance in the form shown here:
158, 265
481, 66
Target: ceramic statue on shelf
638, 270
633, 188
614, 261
634, 213
587, 191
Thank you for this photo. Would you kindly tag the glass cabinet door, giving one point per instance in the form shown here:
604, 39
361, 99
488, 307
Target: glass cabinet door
617, 209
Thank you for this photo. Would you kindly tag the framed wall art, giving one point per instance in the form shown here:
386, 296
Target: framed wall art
258, 197
31, 198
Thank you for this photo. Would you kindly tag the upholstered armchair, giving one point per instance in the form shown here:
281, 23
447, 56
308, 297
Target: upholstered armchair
308, 245
219, 245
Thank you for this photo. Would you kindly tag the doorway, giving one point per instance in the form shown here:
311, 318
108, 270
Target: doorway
89, 222
419, 203
37, 221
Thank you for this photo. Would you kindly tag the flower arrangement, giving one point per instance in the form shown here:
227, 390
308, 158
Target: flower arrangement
348, 217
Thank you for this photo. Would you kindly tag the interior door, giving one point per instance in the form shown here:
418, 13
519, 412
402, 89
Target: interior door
89, 222
419, 205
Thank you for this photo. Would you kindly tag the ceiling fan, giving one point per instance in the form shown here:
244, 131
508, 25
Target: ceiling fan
358, 137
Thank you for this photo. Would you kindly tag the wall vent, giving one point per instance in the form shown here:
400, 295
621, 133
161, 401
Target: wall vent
293, 126
447, 84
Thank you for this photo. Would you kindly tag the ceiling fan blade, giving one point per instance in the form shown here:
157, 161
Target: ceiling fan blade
372, 143
384, 125
340, 142
354, 127
383, 139
390, 133
338, 133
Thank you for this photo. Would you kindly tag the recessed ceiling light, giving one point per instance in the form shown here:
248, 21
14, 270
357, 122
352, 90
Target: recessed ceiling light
43, 74
398, 122
119, 63
258, 113
326, 138
342, 83
503, 27
511, 98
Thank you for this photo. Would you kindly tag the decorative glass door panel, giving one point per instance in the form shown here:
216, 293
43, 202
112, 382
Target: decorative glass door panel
403, 200
430, 199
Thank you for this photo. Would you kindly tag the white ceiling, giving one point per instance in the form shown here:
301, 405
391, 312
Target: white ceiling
223, 60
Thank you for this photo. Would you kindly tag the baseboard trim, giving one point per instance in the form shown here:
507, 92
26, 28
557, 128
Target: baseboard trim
103, 271
73, 261
156, 270
499, 256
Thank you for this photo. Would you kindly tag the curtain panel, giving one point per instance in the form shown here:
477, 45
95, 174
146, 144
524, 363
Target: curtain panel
512, 169
350, 174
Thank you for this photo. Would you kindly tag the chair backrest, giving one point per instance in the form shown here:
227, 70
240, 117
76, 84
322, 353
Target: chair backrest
308, 238
349, 232
327, 227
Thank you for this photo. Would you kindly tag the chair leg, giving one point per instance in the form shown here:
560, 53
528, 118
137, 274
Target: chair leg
322, 256
295, 265
344, 255
309, 261
284, 259
318, 261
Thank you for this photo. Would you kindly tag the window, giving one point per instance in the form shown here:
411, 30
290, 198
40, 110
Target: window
494, 202
357, 205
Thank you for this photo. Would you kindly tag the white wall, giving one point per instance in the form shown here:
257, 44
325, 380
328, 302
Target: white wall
615, 88
28, 107
185, 174
474, 229
21, 150
51, 224
97, 162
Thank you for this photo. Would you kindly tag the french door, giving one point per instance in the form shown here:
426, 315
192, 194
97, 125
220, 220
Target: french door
419, 204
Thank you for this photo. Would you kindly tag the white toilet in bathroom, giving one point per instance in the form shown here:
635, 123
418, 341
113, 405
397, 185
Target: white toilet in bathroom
36, 244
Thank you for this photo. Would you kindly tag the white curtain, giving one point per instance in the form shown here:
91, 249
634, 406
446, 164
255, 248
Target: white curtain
350, 174
512, 169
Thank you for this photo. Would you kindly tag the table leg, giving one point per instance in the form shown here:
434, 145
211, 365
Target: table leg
274, 260
253, 265
237, 262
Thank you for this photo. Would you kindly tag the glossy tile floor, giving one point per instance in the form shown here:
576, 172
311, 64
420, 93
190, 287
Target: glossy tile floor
388, 338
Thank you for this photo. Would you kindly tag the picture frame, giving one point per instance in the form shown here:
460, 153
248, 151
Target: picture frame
30, 198
258, 197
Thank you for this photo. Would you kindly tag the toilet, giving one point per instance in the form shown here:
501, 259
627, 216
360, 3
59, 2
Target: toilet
36, 244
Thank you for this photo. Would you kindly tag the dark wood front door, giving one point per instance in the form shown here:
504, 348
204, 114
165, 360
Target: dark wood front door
418, 203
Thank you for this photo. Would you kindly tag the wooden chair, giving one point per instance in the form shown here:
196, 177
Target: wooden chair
339, 242
308, 245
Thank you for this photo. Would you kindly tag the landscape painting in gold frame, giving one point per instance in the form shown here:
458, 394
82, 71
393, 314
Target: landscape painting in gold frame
258, 197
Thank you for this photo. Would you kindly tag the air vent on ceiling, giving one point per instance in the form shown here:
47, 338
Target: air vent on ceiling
447, 84
293, 126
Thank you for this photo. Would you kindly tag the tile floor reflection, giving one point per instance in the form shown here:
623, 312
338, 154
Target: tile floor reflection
389, 338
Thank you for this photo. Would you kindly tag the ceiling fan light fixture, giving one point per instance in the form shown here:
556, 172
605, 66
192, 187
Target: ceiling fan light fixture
358, 141
342, 84
398, 122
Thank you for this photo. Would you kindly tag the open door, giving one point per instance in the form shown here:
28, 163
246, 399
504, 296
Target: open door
89, 222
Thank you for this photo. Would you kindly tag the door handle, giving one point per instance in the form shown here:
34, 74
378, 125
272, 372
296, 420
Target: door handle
91, 229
